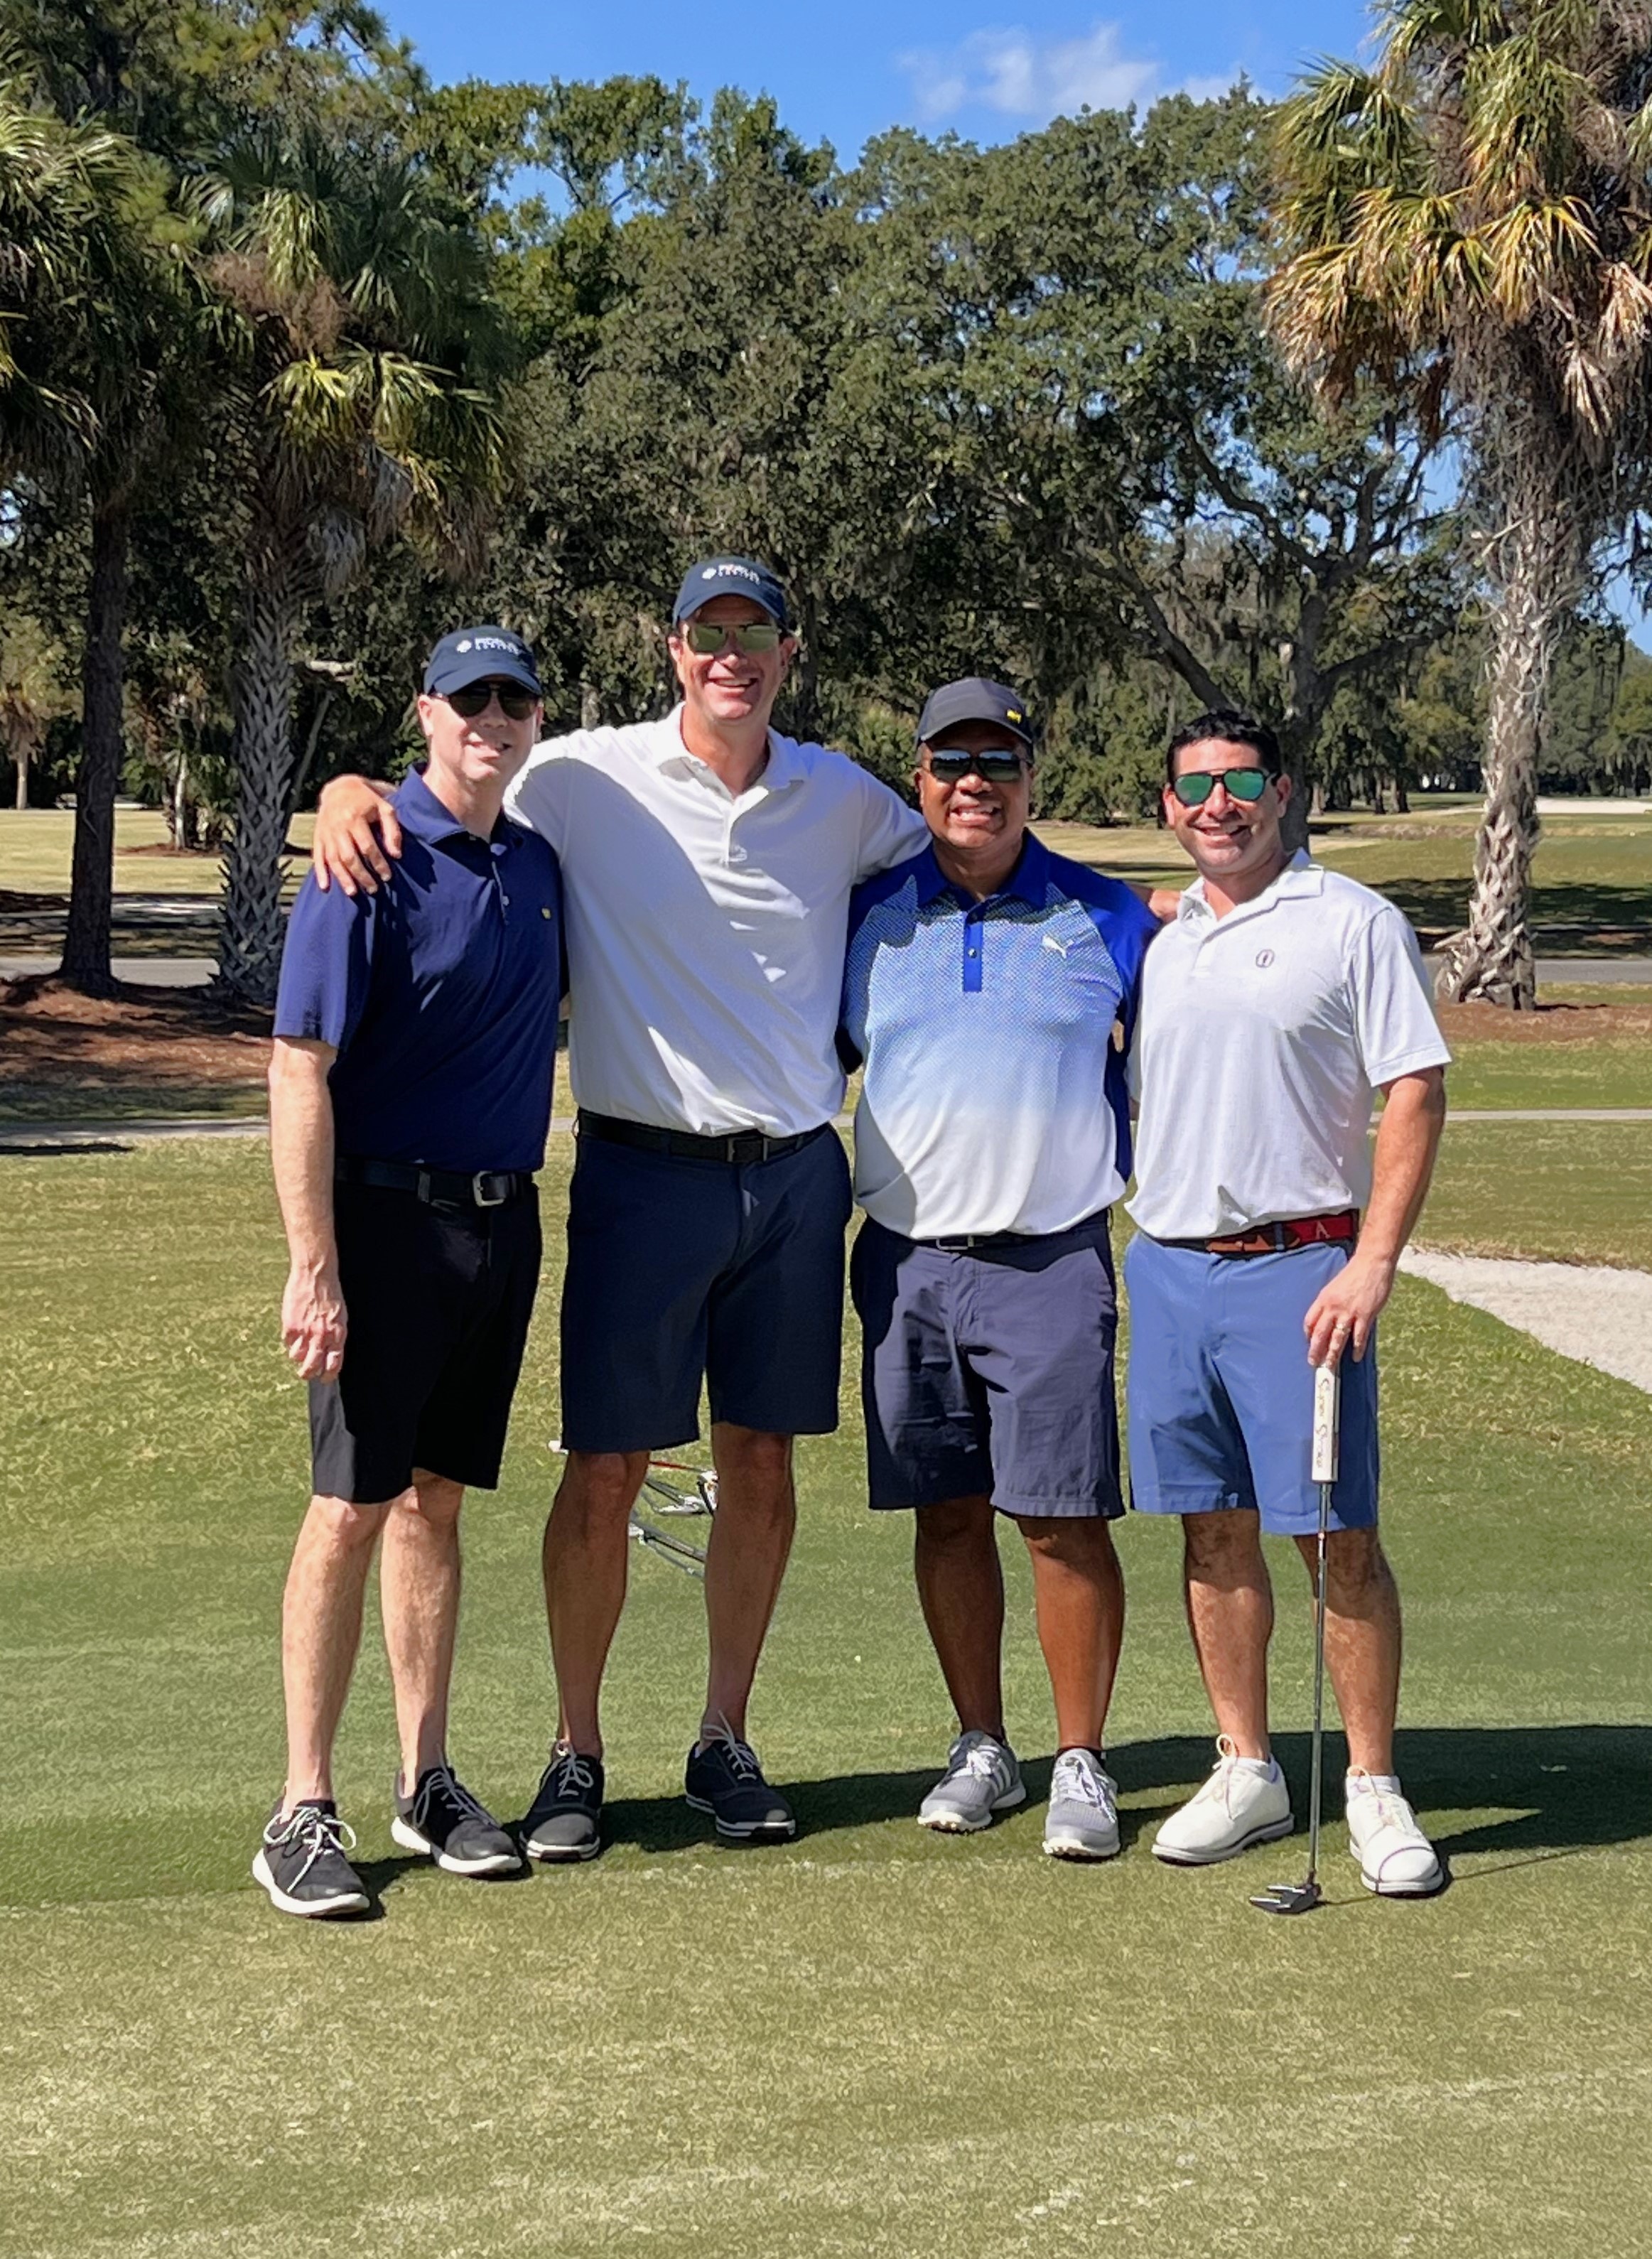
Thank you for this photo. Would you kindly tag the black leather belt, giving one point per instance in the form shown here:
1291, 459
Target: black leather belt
961, 1241
437, 1187
740, 1147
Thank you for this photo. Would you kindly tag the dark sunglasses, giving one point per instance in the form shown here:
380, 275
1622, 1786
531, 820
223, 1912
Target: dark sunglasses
515, 703
992, 768
1194, 786
750, 636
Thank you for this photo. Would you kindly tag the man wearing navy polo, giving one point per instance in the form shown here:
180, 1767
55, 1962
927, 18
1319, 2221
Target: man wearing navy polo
410, 1099
984, 981
708, 861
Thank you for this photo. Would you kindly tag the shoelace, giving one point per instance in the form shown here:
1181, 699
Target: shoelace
1075, 1782
982, 1761
440, 1782
571, 1773
1392, 1811
739, 1756
313, 1832
1223, 1774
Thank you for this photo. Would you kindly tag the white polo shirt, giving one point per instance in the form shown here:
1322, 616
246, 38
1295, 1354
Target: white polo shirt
705, 931
1261, 1040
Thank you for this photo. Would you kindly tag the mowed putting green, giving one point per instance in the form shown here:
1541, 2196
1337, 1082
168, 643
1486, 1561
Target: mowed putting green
873, 2040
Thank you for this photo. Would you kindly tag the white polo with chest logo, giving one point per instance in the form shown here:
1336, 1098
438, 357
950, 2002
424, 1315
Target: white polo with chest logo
1264, 1036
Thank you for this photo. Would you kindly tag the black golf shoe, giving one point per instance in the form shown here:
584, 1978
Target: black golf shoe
564, 1821
302, 1862
443, 1820
725, 1779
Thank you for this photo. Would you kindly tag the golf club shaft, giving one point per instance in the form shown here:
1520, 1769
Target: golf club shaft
1327, 1445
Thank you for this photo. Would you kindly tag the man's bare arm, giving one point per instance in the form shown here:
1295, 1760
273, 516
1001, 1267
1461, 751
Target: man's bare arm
301, 1138
356, 832
1407, 1139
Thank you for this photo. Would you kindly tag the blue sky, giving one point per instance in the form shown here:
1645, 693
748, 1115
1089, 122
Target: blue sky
843, 73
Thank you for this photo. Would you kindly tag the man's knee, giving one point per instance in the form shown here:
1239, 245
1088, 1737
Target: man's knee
1078, 1541
343, 1525
603, 1485
1224, 1547
1357, 1571
954, 1524
759, 1454
433, 1501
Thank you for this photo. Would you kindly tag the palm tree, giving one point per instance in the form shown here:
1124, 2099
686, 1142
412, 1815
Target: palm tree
365, 340
1471, 219
94, 324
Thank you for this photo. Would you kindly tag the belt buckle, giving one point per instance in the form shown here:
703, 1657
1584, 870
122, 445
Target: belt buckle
483, 1177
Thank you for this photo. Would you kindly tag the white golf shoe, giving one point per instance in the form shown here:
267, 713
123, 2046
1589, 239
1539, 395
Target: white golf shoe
1396, 1859
1237, 1806
981, 1779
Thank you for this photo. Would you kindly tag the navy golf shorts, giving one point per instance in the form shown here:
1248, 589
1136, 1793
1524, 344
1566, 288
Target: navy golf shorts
684, 1272
1222, 1392
988, 1373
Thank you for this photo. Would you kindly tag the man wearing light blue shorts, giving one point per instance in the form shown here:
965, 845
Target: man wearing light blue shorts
984, 982
1280, 999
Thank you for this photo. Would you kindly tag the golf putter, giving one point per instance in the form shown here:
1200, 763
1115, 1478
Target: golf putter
1303, 1897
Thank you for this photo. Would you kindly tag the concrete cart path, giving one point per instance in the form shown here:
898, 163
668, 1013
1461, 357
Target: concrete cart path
1600, 1316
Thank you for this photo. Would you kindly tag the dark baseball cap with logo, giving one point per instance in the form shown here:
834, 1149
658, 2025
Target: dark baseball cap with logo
478, 655
731, 576
974, 699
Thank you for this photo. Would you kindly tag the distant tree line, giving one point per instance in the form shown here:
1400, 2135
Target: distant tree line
302, 357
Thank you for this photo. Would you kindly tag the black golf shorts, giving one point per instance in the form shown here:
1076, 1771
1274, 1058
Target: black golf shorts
437, 1302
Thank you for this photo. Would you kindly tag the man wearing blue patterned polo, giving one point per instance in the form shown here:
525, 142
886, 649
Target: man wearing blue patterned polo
986, 979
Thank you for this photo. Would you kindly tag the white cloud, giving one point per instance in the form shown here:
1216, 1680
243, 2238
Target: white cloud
1021, 75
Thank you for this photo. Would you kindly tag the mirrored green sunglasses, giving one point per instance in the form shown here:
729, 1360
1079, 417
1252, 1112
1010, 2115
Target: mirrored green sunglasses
1194, 786
751, 637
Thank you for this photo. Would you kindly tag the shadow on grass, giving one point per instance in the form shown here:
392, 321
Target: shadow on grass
1615, 921
1564, 1787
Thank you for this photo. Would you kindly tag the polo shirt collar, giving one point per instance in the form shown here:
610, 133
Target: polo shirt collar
426, 817
782, 768
1301, 877
1027, 882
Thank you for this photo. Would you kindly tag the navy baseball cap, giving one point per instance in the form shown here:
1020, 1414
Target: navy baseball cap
730, 576
974, 699
478, 655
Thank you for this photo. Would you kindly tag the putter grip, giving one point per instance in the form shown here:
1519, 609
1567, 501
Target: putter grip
1327, 1390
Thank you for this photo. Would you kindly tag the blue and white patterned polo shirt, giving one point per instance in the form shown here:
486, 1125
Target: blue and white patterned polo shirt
994, 1097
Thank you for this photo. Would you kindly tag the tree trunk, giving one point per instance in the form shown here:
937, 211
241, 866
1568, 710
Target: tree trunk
253, 928
1491, 960
20, 754
85, 942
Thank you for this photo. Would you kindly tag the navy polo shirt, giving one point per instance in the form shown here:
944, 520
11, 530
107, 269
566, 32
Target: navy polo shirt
994, 1096
440, 993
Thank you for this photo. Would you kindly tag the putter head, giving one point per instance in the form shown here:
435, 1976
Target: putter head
1288, 1897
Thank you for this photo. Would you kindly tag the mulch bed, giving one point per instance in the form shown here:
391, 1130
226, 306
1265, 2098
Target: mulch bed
165, 1039
1550, 1023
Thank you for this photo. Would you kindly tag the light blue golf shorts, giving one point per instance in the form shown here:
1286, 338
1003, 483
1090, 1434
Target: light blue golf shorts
1221, 1393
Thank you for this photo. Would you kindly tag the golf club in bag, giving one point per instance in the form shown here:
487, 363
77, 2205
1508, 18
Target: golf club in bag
1303, 1897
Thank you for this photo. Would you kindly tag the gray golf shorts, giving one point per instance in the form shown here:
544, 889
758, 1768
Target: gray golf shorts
989, 1371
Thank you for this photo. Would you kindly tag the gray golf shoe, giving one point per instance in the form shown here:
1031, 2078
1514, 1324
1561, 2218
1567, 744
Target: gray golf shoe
981, 1779
1083, 1819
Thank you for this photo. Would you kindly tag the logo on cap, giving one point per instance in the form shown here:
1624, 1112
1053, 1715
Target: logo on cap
463, 644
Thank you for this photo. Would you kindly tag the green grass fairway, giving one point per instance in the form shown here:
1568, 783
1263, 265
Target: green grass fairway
873, 2041
1560, 1192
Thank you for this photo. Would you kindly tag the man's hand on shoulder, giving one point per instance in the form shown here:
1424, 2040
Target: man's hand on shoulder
313, 1322
356, 835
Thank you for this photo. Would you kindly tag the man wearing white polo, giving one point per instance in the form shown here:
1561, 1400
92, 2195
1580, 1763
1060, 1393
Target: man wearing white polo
707, 864
1279, 1000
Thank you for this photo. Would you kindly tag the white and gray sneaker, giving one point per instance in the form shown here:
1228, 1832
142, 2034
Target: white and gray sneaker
1083, 1819
981, 1779
1239, 1805
1396, 1859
